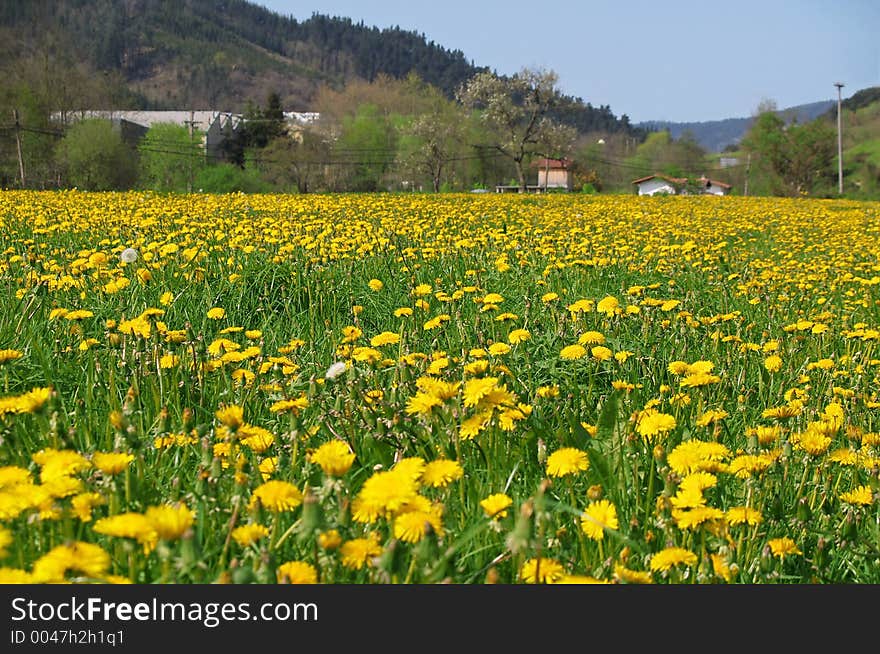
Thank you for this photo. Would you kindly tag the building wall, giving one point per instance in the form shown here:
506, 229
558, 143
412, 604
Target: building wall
655, 186
714, 189
555, 178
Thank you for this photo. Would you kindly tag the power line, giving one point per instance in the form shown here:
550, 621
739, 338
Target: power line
340, 156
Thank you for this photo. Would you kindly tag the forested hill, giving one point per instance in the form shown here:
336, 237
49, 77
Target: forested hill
220, 54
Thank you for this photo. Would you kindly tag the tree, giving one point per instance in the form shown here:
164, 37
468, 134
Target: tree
95, 158
432, 141
515, 111
660, 153
258, 128
366, 148
790, 159
169, 159
298, 161
230, 178
262, 125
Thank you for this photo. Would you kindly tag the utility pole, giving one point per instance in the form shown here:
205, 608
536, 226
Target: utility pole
839, 144
191, 122
748, 170
18, 146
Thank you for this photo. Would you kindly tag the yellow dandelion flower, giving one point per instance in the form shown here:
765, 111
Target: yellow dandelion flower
477, 389
652, 425
782, 547
232, 416
170, 521
84, 558
360, 552
743, 515
711, 416
541, 571
276, 496
83, 504
566, 461
608, 305
384, 493
249, 534
499, 349
9, 355
668, 558
412, 526
626, 576
129, 525
297, 572
601, 353
773, 363
518, 336
112, 463
473, 425
329, 540
598, 517
293, 405
591, 338
697, 379
334, 457
547, 392
441, 473
572, 352
495, 506
861, 495
385, 338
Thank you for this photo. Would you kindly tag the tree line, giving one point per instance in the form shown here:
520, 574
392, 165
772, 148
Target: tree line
403, 135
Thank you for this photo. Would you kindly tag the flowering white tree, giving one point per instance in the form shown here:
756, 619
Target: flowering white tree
515, 110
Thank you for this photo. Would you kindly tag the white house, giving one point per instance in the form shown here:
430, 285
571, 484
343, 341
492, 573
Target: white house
659, 185
664, 185
713, 186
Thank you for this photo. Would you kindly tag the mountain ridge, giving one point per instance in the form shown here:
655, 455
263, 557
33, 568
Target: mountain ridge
716, 135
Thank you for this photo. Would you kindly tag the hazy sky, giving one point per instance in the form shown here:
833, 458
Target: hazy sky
659, 60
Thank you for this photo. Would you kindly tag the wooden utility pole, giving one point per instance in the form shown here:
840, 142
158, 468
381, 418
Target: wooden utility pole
748, 169
18, 146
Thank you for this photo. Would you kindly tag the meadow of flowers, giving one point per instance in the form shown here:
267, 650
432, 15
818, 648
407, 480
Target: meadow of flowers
459, 388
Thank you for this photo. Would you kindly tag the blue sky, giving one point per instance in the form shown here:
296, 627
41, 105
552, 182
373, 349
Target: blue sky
672, 60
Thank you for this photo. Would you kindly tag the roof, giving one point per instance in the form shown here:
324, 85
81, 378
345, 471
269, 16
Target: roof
553, 164
682, 180
672, 180
714, 182
201, 119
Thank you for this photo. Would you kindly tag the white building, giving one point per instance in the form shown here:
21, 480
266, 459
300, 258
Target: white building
213, 126
713, 186
659, 185
664, 185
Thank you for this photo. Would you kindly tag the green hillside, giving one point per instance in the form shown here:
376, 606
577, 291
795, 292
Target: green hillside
861, 144
218, 54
